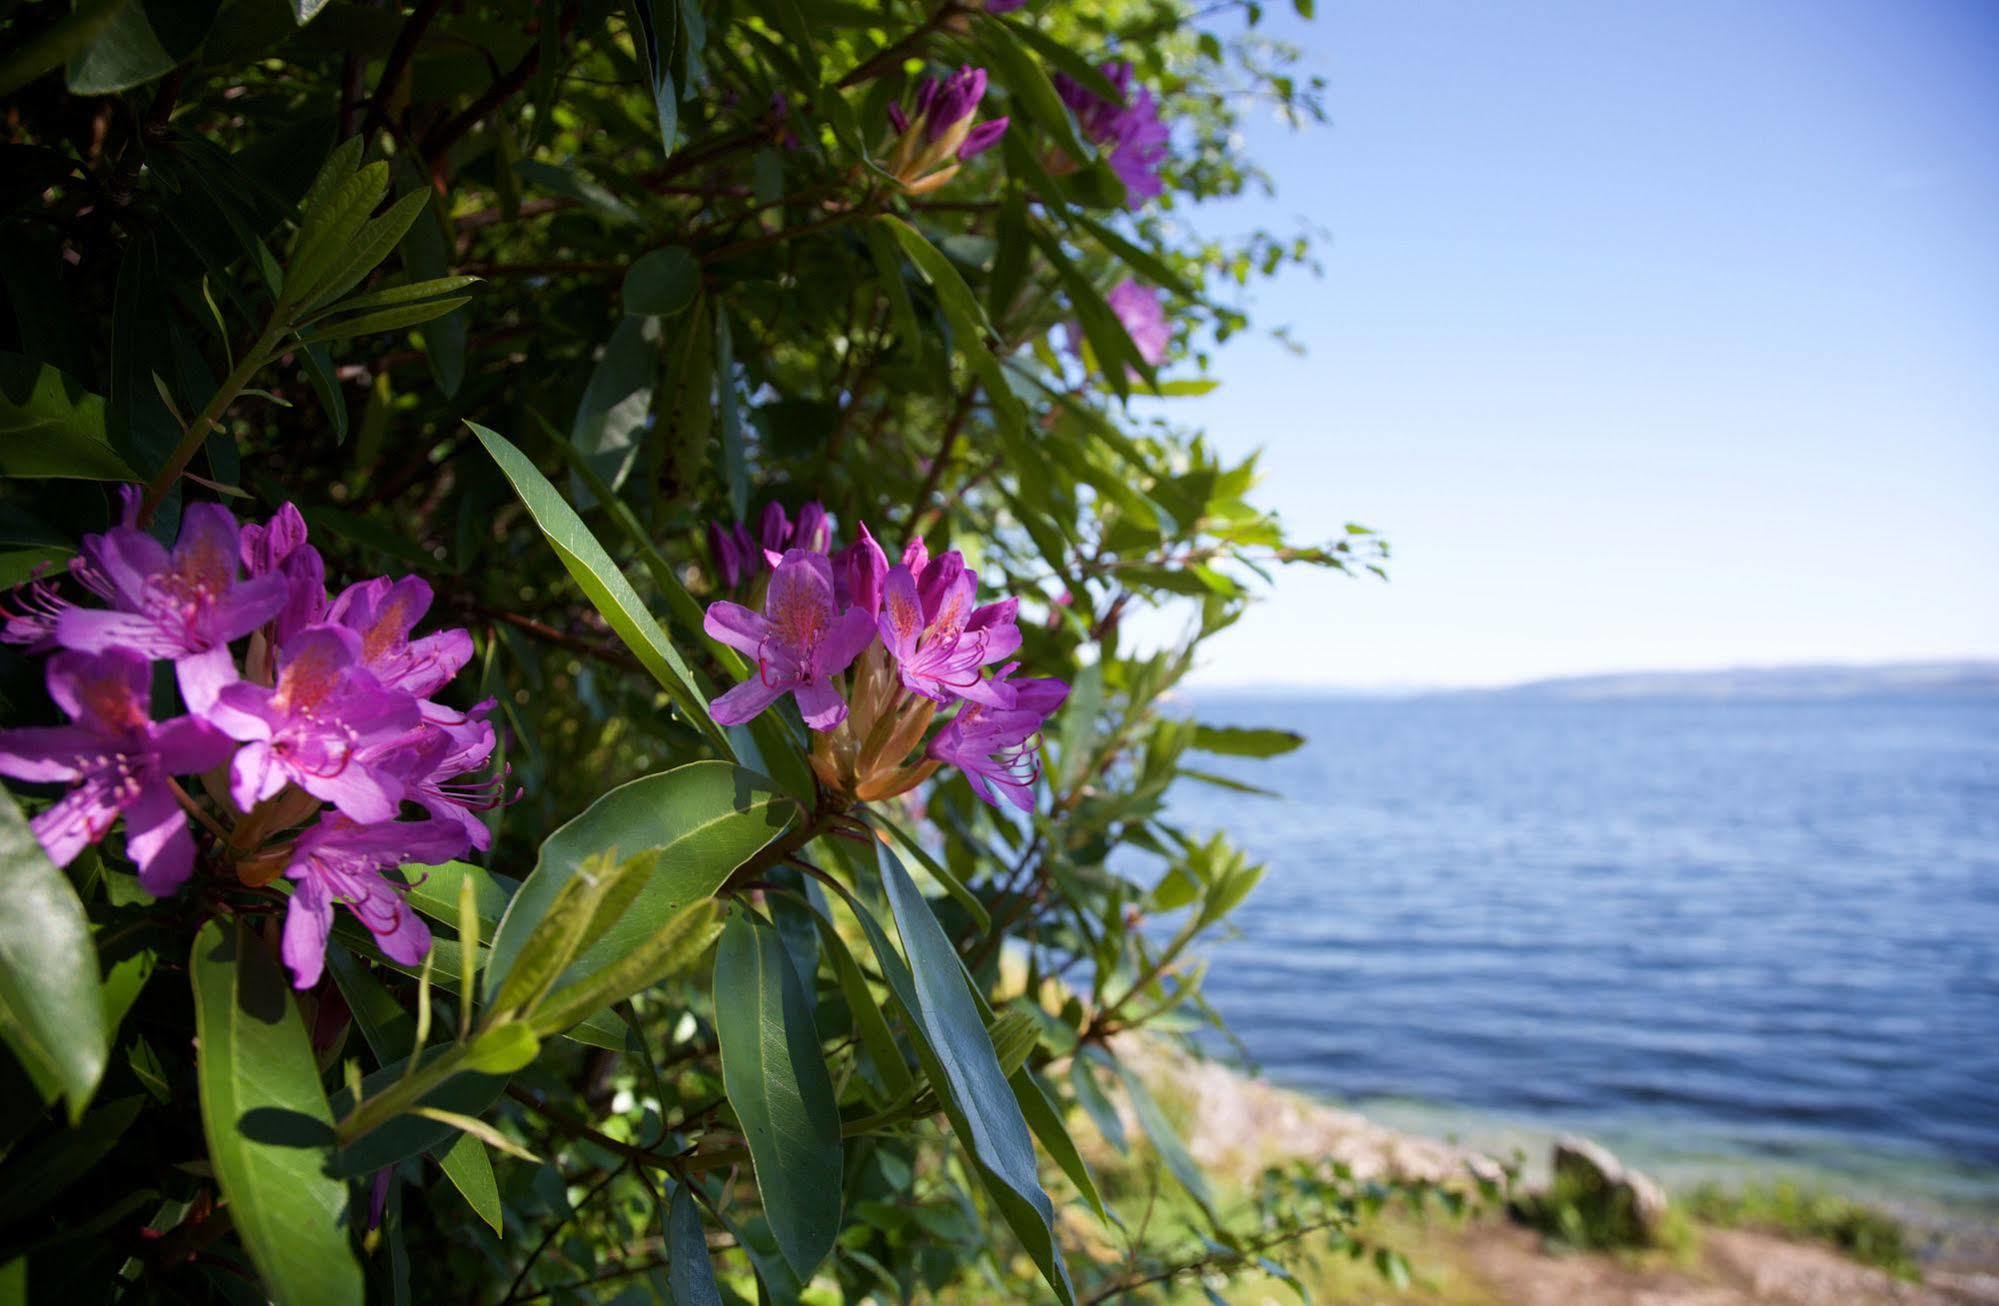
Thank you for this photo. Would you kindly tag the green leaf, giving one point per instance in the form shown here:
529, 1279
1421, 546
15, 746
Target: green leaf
602, 582
1246, 741
1090, 1096
689, 1273
585, 190
968, 321
470, 1170
412, 292
17, 566
51, 426
951, 884
1045, 1119
662, 282
1165, 1140
126, 53
616, 410
319, 371
671, 948
57, 43
869, 1022
585, 907
306, 10
1021, 73
327, 232
434, 892
259, 1085
381, 319
985, 1111
465, 1094
503, 1049
776, 1079
340, 165
656, 48
51, 1013
1066, 59
703, 820
373, 243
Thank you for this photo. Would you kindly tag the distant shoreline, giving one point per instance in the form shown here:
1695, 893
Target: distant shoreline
1799, 682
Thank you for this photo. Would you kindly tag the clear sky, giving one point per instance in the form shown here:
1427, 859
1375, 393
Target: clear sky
1653, 333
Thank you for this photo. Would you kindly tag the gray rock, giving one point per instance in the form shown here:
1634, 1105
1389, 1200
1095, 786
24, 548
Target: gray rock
1620, 1202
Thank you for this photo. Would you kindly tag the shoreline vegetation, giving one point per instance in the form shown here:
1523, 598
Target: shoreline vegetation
1773, 1241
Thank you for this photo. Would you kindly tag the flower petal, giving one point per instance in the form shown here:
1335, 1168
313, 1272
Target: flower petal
901, 621
44, 754
156, 838
851, 634
308, 920
820, 704
737, 626
202, 676
745, 701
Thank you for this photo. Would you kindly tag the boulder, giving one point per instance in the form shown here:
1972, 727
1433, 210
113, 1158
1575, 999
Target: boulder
1621, 1202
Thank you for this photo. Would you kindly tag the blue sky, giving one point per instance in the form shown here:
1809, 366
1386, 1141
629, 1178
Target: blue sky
1651, 334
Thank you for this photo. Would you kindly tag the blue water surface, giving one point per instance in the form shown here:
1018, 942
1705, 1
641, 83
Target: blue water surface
1760, 926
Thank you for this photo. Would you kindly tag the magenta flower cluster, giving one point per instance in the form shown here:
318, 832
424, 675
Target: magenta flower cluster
1129, 128
327, 716
823, 611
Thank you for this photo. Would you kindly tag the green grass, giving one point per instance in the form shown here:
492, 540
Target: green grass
1869, 1236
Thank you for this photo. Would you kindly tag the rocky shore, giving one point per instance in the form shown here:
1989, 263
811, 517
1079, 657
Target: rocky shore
1236, 1125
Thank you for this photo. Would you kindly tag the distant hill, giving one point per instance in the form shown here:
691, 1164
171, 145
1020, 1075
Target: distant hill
1772, 682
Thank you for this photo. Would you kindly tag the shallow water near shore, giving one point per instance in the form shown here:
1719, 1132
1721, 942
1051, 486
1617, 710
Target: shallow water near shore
1734, 938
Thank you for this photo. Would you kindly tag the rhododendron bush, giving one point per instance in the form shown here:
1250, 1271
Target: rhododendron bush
575, 719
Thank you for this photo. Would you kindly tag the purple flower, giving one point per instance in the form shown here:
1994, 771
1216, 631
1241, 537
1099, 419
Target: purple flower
433, 762
383, 613
943, 105
858, 573
801, 640
119, 759
1003, 6
941, 131
774, 528
281, 549
1129, 126
812, 532
735, 554
982, 137
315, 728
993, 747
939, 640
185, 605
1138, 308
341, 860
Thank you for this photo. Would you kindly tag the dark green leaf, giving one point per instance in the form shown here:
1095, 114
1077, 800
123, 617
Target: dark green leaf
703, 820
689, 1274
777, 1082
615, 412
602, 582
51, 426
255, 1066
662, 282
50, 1010
470, 1170
994, 1129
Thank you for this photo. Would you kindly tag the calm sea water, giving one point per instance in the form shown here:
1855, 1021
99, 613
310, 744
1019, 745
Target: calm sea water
1761, 928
